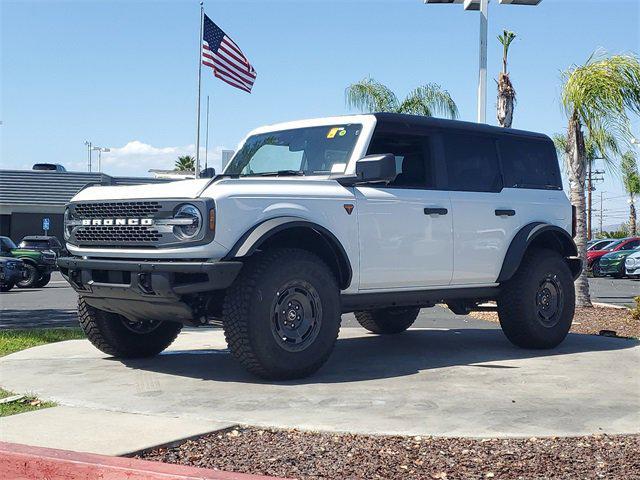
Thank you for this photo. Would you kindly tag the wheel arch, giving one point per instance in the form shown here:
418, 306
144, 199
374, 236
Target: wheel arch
539, 234
294, 232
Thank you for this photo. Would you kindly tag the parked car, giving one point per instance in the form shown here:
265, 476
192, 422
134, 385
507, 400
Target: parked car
632, 265
379, 214
11, 272
37, 264
594, 256
613, 264
599, 244
42, 243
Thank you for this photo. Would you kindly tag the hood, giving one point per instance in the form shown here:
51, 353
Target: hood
177, 189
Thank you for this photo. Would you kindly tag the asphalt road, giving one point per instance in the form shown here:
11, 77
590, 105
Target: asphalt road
55, 304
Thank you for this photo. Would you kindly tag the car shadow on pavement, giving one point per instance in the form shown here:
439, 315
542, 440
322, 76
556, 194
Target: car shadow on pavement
376, 357
38, 318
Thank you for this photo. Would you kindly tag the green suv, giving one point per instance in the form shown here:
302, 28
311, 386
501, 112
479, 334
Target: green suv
612, 264
37, 264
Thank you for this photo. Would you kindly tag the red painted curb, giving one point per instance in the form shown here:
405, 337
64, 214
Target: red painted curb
23, 462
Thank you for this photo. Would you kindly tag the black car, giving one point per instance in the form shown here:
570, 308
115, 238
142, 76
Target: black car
11, 272
42, 242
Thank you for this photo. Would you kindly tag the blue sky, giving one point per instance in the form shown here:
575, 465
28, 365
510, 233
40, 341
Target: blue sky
123, 74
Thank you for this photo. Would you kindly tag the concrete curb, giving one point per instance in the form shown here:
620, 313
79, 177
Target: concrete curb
609, 305
23, 462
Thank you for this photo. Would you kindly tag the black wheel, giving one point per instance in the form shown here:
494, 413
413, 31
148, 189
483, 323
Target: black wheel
5, 287
595, 268
115, 335
388, 320
31, 278
536, 306
282, 315
43, 280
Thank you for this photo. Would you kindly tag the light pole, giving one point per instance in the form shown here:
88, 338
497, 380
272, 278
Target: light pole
100, 150
483, 7
89, 147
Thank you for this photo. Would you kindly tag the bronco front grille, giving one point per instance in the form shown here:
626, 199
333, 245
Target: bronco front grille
117, 209
112, 234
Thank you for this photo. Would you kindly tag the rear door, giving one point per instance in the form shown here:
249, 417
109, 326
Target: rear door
483, 215
405, 228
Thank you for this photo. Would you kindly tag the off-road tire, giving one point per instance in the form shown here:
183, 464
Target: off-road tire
107, 332
250, 319
5, 287
521, 301
43, 280
32, 276
387, 321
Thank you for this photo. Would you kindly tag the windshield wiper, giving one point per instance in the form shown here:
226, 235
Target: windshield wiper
278, 173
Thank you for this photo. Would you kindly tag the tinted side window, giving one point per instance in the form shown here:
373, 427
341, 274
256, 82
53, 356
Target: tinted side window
472, 163
529, 163
414, 161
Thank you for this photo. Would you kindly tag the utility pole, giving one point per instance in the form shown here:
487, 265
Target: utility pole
601, 213
89, 147
592, 177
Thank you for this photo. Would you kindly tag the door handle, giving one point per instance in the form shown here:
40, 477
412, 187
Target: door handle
436, 211
505, 212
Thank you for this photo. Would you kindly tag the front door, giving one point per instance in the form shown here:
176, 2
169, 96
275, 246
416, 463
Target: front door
405, 228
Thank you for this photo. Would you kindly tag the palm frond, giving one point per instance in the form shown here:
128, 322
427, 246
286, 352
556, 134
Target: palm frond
368, 95
602, 93
429, 100
630, 174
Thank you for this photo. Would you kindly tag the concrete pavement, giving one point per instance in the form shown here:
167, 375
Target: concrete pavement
467, 381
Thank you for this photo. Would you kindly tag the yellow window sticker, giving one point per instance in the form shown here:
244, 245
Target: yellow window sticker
336, 130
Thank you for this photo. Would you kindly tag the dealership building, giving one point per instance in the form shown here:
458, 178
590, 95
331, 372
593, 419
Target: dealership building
29, 197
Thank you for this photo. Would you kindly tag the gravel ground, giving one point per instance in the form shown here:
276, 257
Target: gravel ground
592, 321
305, 455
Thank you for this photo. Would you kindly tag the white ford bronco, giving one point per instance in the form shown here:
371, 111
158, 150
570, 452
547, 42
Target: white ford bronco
378, 214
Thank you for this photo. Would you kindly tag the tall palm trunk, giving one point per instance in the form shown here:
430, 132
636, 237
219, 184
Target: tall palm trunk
632, 217
577, 176
506, 97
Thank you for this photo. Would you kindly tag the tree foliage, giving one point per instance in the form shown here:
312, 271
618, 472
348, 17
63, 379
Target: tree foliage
429, 100
185, 163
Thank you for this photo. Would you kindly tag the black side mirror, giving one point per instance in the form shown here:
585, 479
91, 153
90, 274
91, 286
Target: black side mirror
208, 173
376, 168
379, 168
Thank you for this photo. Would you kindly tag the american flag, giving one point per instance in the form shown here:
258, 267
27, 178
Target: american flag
225, 57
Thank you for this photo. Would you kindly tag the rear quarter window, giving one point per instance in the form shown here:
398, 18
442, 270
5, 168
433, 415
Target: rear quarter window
529, 163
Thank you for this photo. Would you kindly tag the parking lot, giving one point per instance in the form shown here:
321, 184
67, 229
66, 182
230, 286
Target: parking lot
55, 304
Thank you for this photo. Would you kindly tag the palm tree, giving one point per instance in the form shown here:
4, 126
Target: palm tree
631, 181
506, 92
185, 163
428, 100
596, 97
592, 153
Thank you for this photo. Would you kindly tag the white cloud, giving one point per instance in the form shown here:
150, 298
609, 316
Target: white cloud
136, 158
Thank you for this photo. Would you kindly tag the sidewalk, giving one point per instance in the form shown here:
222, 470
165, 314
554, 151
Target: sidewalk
100, 431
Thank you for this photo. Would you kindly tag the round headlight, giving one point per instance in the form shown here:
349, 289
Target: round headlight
189, 229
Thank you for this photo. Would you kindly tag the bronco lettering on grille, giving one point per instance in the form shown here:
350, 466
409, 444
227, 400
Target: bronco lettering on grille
117, 221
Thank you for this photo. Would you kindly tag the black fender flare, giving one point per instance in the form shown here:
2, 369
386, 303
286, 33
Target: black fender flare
533, 233
260, 233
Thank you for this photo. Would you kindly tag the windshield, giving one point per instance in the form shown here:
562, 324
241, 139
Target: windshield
34, 244
7, 243
300, 151
613, 245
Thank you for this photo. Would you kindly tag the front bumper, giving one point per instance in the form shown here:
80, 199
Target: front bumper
12, 276
147, 290
615, 267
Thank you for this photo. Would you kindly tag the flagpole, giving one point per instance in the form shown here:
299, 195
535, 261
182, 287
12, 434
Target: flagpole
197, 166
206, 139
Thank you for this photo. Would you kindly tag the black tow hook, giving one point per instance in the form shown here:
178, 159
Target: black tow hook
144, 280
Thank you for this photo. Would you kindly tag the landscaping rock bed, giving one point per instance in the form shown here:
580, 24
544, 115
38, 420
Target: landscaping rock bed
592, 321
306, 455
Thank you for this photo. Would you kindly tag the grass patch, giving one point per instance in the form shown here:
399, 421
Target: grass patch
26, 404
15, 340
